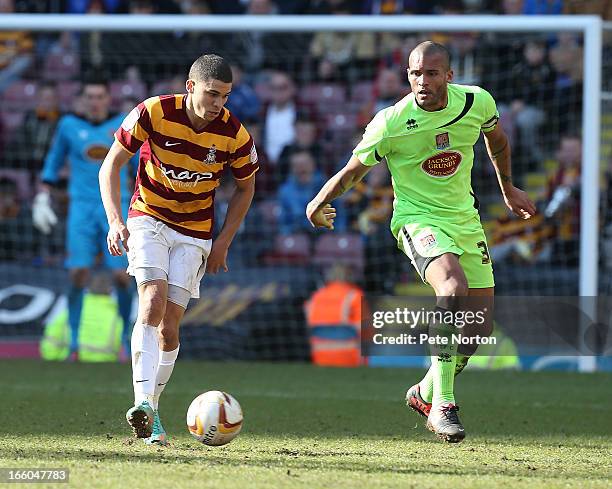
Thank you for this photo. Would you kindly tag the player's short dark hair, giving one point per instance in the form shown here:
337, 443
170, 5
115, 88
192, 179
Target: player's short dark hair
211, 67
94, 78
431, 48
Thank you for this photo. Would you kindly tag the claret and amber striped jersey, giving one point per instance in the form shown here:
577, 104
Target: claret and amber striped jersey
180, 167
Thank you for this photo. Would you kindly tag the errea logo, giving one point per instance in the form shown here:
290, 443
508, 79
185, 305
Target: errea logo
411, 124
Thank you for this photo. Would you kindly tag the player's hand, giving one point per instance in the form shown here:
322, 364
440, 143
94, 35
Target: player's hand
519, 203
43, 216
321, 215
117, 237
217, 259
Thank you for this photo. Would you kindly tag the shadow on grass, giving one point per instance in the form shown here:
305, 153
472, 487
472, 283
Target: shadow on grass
298, 400
370, 463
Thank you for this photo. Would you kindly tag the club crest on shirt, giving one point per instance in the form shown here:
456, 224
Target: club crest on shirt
211, 157
442, 141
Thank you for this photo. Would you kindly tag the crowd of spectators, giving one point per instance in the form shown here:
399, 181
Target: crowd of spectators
324, 7
305, 97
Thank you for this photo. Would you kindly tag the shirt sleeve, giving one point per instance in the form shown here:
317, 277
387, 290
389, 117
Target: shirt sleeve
373, 146
135, 129
243, 159
490, 113
56, 157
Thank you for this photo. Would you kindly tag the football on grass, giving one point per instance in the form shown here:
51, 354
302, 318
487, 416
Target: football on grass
214, 418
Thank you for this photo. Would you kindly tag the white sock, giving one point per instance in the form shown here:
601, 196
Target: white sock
164, 371
145, 355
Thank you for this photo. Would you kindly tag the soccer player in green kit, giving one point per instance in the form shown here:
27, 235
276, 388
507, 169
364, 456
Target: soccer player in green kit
427, 140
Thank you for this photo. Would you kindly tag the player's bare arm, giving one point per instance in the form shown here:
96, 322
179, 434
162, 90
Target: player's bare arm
238, 206
319, 211
110, 189
498, 148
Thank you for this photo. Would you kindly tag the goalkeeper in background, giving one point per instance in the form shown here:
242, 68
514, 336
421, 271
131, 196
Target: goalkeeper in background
83, 141
427, 140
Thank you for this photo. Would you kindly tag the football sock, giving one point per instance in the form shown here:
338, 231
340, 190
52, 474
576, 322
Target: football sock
462, 361
145, 354
443, 361
75, 306
124, 301
164, 371
426, 384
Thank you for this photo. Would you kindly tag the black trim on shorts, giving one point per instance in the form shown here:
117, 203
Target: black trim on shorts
420, 262
476, 201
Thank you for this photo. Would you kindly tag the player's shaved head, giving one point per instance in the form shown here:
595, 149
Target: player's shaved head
211, 67
430, 48
429, 73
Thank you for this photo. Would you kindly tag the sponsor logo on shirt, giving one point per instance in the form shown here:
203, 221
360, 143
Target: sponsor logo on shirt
442, 164
191, 177
411, 124
442, 141
96, 152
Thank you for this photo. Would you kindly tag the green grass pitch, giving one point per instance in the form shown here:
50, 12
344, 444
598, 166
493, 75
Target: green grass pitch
308, 427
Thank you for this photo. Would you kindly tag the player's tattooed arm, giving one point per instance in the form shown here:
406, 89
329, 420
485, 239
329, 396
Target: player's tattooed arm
499, 152
515, 199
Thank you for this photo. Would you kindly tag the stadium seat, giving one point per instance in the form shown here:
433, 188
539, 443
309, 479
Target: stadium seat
270, 212
67, 91
161, 87
122, 89
21, 179
289, 249
323, 95
20, 95
346, 248
11, 122
344, 122
362, 92
61, 66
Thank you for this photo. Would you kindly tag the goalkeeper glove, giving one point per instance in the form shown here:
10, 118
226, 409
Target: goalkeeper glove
42, 214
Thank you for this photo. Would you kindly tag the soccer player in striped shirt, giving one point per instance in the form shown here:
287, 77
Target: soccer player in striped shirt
185, 142
427, 140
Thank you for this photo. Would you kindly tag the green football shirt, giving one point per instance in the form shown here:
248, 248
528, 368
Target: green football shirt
430, 154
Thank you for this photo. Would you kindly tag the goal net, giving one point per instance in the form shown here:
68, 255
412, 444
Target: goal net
305, 88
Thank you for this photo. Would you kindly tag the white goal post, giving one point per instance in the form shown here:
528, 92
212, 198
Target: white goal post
589, 26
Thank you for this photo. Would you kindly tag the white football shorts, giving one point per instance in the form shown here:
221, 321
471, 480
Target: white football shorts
153, 244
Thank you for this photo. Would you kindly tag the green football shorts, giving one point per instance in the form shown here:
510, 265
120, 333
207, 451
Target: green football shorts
423, 240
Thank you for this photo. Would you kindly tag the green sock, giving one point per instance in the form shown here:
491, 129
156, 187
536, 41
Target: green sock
426, 384
462, 361
443, 362
443, 377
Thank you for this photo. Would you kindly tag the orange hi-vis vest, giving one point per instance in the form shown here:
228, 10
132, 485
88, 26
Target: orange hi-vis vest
333, 315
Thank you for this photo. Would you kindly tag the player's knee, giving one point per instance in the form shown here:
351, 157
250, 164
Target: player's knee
168, 335
453, 286
152, 305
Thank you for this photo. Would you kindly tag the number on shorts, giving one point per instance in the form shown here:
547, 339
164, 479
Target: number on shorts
486, 259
